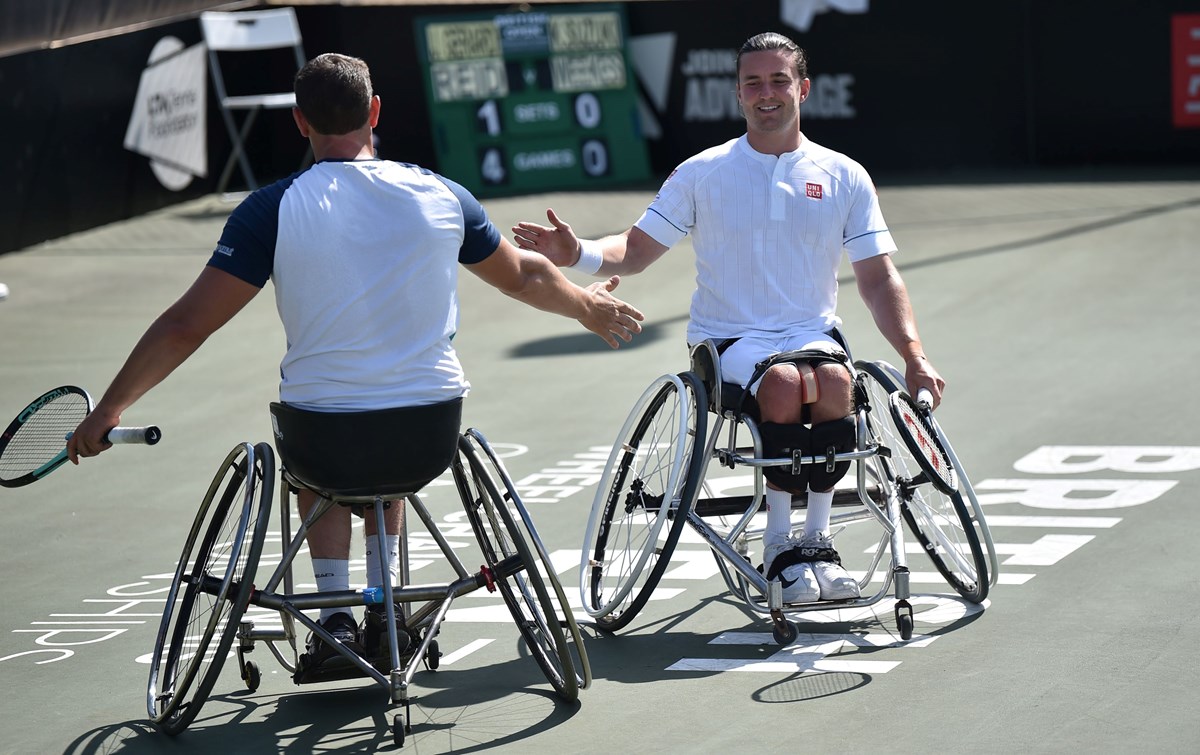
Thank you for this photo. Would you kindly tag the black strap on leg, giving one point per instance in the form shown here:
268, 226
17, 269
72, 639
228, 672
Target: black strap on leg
786, 440
812, 356
802, 555
829, 438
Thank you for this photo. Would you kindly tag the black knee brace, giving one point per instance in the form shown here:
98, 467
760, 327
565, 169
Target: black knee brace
780, 441
835, 436
822, 439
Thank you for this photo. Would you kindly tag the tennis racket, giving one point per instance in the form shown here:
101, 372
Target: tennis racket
35, 443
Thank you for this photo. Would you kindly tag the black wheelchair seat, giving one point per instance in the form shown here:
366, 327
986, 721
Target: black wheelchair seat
386, 452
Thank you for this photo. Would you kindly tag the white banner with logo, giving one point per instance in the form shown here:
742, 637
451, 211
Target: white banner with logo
168, 120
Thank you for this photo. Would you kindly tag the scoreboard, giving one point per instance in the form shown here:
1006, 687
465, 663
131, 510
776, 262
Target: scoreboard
532, 101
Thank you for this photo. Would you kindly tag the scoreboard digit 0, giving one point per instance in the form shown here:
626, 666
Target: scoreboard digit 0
536, 101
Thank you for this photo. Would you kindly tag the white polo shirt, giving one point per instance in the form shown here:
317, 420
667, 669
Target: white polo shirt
768, 234
364, 255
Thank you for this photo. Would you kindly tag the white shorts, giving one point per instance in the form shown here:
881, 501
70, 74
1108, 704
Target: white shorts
738, 361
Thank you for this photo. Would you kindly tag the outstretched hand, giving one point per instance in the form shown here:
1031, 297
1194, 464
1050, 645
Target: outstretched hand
609, 317
557, 242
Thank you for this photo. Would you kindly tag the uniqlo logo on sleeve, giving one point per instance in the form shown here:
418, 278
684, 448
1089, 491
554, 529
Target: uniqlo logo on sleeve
1185, 68
813, 190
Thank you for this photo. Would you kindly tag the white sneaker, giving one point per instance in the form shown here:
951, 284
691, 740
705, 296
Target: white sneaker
3, 292
799, 581
834, 582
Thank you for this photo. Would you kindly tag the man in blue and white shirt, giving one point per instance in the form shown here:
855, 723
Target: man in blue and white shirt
364, 256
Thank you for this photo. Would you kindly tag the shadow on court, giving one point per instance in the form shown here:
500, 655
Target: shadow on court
585, 342
461, 711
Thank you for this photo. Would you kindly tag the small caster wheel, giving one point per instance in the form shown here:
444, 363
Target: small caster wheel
904, 620
251, 676
398, 730
433, 656
785, 633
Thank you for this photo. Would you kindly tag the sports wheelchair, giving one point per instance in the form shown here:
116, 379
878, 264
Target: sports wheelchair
656, 482
360, 460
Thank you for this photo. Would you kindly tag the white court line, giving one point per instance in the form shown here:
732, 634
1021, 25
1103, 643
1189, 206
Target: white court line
1084, 522
85, 622
934, 578
812, 640
464, 651
808, 654
813, 665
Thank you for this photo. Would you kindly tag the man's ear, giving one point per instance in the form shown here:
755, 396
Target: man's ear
373, 116
301, 122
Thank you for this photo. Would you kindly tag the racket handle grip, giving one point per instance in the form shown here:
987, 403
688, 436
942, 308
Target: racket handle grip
925, 399
145, 435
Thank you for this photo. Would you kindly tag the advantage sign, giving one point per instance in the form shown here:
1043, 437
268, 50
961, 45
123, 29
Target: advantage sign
535, 101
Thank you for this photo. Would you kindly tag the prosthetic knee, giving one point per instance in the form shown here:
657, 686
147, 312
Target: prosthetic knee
822, 440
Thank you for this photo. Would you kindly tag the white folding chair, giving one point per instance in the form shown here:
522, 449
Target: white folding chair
243, 32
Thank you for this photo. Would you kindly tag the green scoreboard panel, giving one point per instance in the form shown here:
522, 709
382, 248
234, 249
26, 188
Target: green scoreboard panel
535, 101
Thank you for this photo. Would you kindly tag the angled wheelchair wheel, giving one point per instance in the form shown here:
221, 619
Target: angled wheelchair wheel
643, 499
508, 491
211, 588
929, 487
513, 567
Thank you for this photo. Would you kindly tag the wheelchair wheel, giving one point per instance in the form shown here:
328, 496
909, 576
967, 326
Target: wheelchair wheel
514, 568
643, 500
919, 468
211, 588
508, 491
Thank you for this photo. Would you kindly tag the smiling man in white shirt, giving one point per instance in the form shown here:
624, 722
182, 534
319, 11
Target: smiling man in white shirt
770, 214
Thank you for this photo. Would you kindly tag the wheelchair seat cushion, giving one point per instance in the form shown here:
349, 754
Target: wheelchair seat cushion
389, 452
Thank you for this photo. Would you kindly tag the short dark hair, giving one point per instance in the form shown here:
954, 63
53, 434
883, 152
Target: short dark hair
334, 93
773, 41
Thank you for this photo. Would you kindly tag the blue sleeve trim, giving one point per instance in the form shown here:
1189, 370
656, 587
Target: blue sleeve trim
863, 235
246, 249
667, 220
480, 236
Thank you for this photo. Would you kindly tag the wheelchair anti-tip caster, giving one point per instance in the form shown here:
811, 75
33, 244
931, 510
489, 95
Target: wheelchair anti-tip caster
783, 631
398, 730
251, 676
904, 619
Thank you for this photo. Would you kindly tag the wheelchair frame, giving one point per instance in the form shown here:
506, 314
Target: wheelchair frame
905, 471
213, 586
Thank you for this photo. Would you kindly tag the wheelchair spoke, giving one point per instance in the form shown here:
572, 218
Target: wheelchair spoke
651, 478
506, 536
211, 587
933, 508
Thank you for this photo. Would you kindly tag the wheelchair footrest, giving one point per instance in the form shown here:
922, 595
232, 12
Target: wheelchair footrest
334, 669
814, 605
337, 668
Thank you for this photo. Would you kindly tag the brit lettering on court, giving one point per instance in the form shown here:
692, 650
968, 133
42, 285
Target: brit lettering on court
1059, 488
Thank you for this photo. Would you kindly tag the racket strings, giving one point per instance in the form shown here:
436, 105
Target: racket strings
42, 436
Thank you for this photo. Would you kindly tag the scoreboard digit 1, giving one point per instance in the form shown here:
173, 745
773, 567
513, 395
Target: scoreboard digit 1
536, 101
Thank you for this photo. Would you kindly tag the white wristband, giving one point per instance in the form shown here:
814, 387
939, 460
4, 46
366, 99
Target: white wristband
591, 257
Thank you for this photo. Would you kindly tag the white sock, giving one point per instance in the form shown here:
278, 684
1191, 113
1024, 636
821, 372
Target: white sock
820, 506
374, 573
779, 517
332, 574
